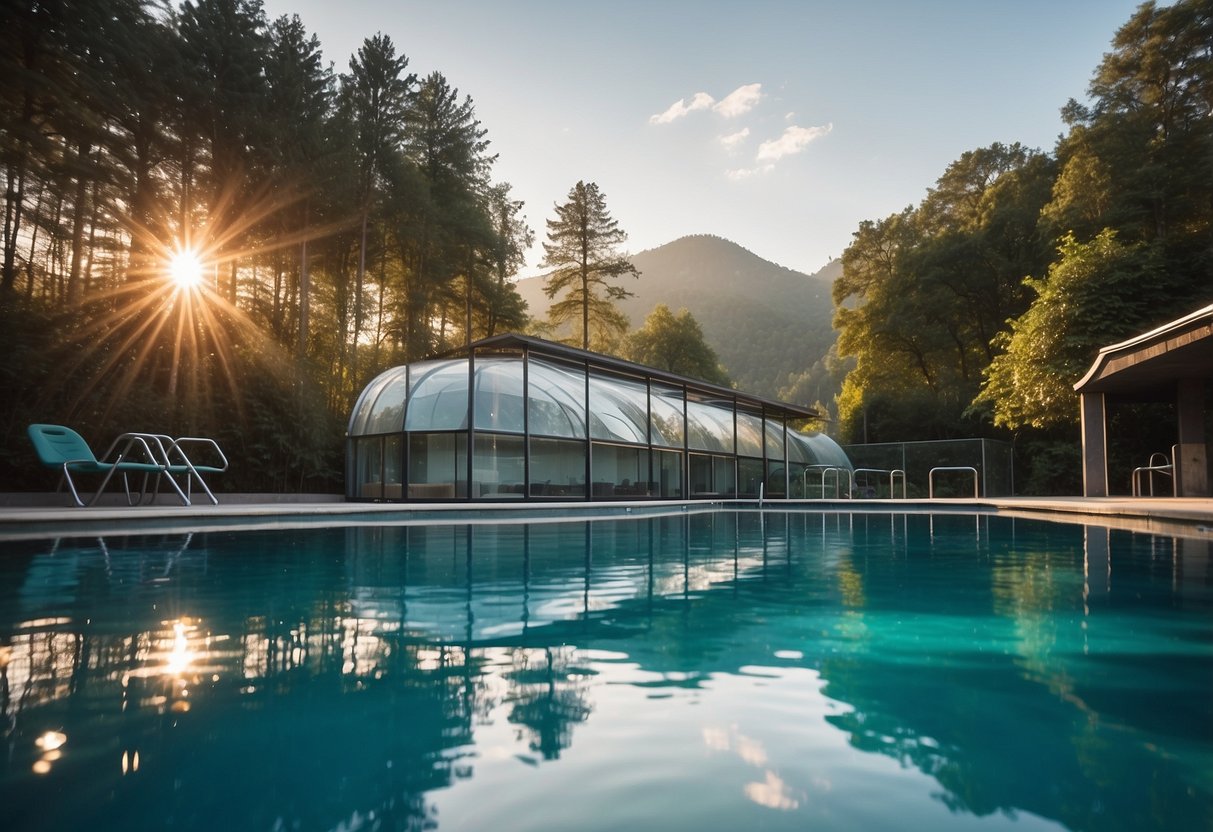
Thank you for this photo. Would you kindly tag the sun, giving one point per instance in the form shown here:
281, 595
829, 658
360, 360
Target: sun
185, 269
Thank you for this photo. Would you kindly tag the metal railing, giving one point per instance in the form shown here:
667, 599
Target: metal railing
1158, 464
892, 474
933, 471
825, 471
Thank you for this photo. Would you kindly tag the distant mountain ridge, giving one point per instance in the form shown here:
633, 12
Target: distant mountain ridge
769, 324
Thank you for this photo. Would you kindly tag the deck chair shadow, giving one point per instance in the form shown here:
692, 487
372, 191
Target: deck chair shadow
131, 453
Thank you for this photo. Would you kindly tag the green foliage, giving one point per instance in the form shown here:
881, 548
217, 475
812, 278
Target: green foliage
675, 343
1097, 293
979, 308
581, 250
924, 292
1047, 464
351, 222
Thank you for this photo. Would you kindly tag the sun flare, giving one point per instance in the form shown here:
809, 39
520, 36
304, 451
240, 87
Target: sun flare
185, 269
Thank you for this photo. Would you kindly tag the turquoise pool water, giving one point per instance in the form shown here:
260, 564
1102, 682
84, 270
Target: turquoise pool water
703, 671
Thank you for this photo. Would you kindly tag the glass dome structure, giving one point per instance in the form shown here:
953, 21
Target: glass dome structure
516, 417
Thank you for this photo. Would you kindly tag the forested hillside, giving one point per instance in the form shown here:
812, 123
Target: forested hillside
975, 311
769, 325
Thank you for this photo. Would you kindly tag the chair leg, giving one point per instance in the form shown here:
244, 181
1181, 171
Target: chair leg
67, 477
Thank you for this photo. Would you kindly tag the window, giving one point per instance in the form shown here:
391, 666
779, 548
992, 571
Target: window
618, 410
555, 399
709, 427
667, 416
499, 395
749, 434
557, 468
438, 396
437, 466
498, 466
620, 471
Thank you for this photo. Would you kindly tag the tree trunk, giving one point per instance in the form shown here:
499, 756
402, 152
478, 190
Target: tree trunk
358, 296
14, 201
73, 277
304, 283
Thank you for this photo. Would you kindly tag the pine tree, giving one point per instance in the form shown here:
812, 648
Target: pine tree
581, 248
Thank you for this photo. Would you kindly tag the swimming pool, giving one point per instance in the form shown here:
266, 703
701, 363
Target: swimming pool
700, 671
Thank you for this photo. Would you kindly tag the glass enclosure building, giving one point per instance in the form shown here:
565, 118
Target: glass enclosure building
515, 417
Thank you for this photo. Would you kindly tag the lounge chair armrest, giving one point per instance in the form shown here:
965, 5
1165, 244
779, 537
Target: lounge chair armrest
208, 446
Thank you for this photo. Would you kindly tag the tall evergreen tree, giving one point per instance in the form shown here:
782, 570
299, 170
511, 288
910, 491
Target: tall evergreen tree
378, 92
581, 250
447, 144
300, 89
224, 44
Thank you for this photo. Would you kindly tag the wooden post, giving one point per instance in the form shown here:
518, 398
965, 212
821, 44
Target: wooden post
1094, 445
1190, 456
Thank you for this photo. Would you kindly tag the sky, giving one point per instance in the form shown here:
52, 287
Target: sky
777, 124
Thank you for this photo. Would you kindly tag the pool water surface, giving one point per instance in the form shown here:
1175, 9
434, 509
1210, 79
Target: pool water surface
696, 671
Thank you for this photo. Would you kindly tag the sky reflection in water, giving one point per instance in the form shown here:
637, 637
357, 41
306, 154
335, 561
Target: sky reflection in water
699, 671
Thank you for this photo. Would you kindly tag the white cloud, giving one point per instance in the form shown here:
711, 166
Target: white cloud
699, 101
793, 140
732, 140
740, 174
740, 101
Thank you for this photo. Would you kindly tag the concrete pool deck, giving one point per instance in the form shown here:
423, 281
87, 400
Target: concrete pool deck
43, 515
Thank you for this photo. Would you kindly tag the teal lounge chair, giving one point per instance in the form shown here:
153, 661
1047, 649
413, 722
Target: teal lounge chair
131, 453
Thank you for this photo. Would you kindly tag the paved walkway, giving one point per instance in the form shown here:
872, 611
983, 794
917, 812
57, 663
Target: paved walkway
51, 514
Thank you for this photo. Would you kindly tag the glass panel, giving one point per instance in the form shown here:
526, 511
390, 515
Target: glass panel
369, 467
498, 469
366, 402
437, 466
701, 476
776, 482
712, 476
749, 434
557, 468
438, 396
667, 416
724, 474
387, 413
709, 427
618, 410
798, 451
798, 482
749, 477
819, 449
667, 468
555, 399
499, 394
393, 466
774, 431
620, 471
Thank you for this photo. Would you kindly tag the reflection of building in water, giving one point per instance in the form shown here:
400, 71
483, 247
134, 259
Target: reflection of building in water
209, 647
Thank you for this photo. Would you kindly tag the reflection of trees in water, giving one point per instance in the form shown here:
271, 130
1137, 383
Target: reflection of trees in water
548, 696
990, 691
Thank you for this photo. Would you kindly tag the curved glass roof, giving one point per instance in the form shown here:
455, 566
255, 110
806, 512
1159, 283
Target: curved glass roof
548, 398
816, 449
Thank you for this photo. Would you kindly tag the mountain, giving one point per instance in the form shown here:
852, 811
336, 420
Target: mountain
768, 324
